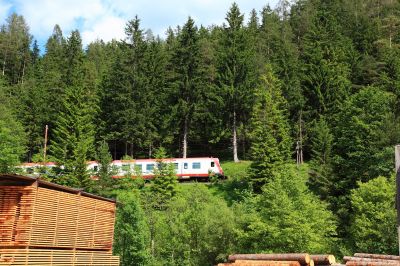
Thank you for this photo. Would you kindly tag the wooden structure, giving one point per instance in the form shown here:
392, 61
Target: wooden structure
286, 259
42, 221
364, 259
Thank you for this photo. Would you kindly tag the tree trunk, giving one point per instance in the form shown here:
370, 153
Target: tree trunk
234, 139
185, 133
23, 73
115, 150
303, 258
131, 148
150, 150
4, 65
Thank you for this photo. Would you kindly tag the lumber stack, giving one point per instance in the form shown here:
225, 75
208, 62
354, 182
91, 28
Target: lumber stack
364, 259
288, 259
46, 224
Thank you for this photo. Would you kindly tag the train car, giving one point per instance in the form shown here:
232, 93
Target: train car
34, 169
185, 168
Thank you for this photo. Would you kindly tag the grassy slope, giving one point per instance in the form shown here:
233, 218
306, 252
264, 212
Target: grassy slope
235, 170
230, 189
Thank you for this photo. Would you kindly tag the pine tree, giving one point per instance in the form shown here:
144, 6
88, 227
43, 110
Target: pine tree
321, 175
15, 55
165, 180
187, 81
325, 75
105, 172
236, 77
73, 135
270, 136
12, 135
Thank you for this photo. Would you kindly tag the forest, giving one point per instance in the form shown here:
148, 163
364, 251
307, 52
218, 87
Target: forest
301, 102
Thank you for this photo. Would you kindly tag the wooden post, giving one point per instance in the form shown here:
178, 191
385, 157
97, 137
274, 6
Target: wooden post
45, 144
397, 158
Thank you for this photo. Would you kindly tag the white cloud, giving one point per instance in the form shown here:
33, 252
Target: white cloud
106, 19
4, 10
106, 29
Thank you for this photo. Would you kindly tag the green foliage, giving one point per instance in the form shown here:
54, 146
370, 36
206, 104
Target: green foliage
131, 231
164, 184
325, 75
271, 142
12, 140
196, 229
286, 217
321, 176
105, 181
373, 222
362, 151
333, 70
236, 74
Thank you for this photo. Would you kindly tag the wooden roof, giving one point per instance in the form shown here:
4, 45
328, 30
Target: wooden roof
20, 180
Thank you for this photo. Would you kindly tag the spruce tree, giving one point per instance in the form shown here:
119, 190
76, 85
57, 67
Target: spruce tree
104, 183
270, 134
164, 185
187, 81
321, 174
236, 76
73, 135
12, 135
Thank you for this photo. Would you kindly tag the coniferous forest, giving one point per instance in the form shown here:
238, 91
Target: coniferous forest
312, 80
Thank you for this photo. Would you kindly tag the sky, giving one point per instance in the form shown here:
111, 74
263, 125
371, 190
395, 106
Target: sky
106, 19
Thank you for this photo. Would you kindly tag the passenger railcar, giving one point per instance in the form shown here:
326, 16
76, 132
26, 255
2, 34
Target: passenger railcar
185, 168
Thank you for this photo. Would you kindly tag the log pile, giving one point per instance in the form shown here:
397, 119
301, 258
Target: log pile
289, 259
364, 259
46, 224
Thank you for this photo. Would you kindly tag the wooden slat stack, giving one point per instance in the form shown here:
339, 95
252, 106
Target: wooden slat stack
364, 259
288, 259
47, 224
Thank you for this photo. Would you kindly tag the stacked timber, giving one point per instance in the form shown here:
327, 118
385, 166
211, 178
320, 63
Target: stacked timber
289, 259
364, 259
46, 224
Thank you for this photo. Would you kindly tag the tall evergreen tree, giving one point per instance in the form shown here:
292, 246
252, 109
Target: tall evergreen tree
15, 43
12, 135
325, 75
187, 81
73, 135
236, 78
270, 134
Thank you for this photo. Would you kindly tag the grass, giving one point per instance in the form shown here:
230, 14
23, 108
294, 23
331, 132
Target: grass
235, 170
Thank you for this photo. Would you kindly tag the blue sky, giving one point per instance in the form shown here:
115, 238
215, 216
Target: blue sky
106, 19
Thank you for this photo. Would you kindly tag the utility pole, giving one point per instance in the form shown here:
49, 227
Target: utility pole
397, 158
299, 144
45, 144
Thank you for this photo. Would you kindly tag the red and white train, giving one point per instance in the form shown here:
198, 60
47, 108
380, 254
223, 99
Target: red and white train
185, 168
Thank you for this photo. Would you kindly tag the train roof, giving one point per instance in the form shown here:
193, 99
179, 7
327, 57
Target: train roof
126, 161
165, 159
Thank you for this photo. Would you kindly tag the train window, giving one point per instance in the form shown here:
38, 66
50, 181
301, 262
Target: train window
196, 166
185, 165
95, 168
150, 167
212, 164
138, 167
176, 166
126, 167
